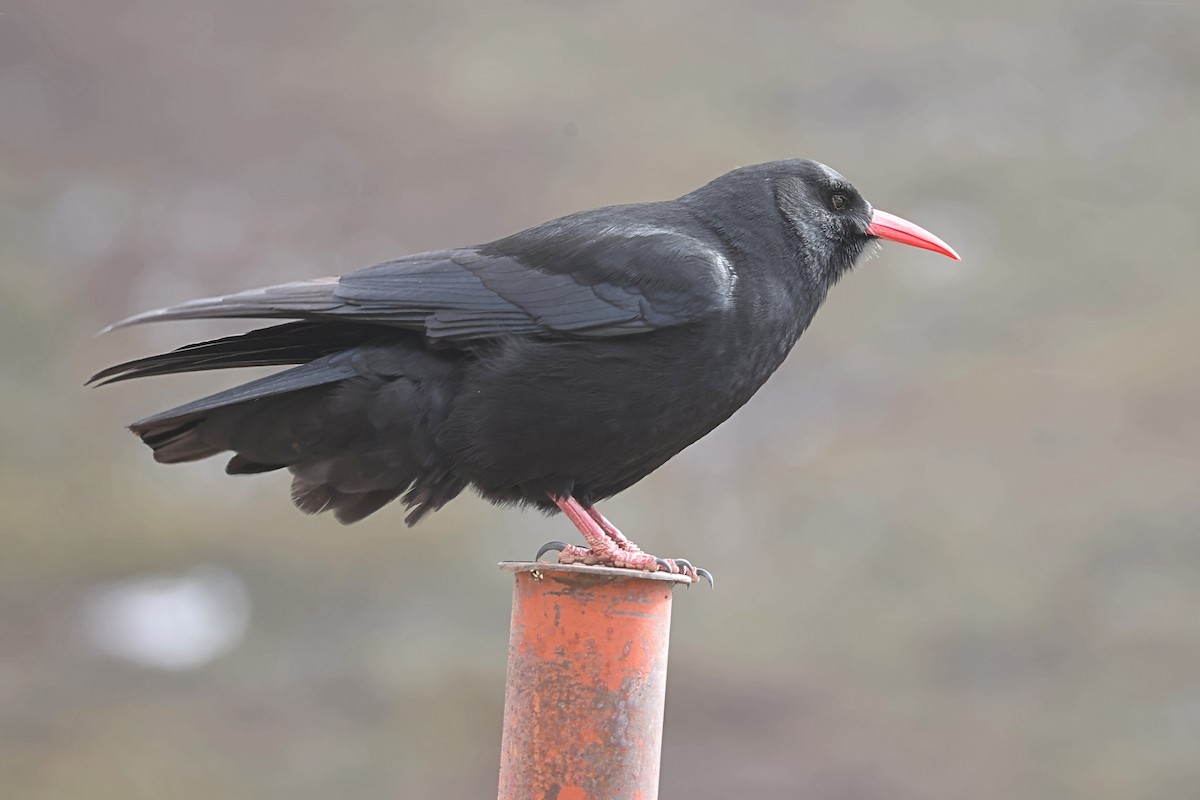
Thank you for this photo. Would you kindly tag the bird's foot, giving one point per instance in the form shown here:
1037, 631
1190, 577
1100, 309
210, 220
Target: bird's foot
608, 547
616, 556
567, 553
682, 566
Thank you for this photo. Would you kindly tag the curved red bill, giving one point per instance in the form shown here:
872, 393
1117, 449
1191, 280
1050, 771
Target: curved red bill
894, 229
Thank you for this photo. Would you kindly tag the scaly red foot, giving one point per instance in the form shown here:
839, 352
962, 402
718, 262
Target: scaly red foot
608, 547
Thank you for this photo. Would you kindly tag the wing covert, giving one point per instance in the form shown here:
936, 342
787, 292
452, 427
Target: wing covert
607, 285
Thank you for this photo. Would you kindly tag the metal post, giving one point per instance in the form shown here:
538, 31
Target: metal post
587, 677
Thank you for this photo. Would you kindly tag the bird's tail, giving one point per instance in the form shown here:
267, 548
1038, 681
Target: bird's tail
324, 419
291, 343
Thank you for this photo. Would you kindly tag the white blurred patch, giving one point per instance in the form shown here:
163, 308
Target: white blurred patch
86, 220
172, 623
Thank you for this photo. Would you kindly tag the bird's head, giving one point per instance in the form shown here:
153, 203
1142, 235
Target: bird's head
833, 221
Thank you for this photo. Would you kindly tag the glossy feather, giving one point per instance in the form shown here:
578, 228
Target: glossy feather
572, 358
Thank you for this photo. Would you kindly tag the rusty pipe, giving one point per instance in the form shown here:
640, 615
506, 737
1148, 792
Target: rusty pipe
587, 677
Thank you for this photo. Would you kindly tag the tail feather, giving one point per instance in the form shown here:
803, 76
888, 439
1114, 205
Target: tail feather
179, 443
295, 300
322, 372
240, 465
352, 422
290, 343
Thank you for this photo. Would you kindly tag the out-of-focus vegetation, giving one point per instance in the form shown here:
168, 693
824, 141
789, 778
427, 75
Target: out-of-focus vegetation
955, 538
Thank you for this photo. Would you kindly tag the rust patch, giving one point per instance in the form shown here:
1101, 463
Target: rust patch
586, 685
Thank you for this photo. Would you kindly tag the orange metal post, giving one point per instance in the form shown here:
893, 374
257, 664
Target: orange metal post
587, 677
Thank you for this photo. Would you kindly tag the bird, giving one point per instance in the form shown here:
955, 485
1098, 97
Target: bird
553, 368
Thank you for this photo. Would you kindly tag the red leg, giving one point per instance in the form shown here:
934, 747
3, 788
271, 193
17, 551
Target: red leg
603, 549
623, 542
609, 547
611, 531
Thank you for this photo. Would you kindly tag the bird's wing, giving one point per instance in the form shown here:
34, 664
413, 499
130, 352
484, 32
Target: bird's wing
594, 282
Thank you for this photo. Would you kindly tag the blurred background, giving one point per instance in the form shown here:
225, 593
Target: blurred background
955, 537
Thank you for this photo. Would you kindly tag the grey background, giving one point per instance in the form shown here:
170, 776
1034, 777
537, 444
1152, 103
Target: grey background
955, 537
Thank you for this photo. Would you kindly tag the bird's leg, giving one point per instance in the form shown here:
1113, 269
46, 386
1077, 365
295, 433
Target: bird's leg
603, 549
595, 536
611, 531
676, 565
607, 546
603, 546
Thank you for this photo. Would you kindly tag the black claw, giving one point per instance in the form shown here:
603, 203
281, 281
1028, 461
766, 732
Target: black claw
681, 566
556, 546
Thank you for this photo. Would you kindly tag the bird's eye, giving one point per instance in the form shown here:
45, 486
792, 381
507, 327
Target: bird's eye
838, 201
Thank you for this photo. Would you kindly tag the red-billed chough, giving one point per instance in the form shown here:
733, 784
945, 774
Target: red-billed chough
554, 367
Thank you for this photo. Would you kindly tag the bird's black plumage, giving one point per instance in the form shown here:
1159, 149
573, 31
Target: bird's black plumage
568, 360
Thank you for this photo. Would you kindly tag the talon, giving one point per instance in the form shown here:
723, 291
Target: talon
555, 546
667, 564
703, 573
685, 566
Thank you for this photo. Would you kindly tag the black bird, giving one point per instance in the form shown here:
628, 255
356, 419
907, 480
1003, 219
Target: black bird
554, 367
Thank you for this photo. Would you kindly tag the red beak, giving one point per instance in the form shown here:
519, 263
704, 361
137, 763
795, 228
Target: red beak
890, 227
